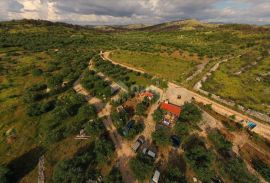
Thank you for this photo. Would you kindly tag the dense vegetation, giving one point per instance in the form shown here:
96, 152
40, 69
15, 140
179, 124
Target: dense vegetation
245, 81
128, 79
199, 158
83, 166
174, 175
262, 168
40, 113
4, 173
161, 136
190, 113
141, 166
230, 165
114, 176
96, 85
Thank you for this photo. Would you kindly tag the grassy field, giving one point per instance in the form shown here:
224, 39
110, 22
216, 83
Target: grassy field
40, 52
13, 114
249, 88
172, 69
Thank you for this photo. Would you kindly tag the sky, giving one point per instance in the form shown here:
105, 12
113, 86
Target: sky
120, 12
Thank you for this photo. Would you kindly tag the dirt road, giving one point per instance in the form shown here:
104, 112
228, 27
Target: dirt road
186, 95
150, 124
123, 149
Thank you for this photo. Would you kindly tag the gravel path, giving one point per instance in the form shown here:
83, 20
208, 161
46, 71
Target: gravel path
186, 95
123, 149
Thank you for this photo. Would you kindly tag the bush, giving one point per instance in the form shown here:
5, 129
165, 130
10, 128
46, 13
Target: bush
262, 168
77, 169
181, 129
135, 130
174, 175
30, 97
87, 112
142, 107
141, 166
190, 113
114, 176
161, 137
4, 172
95, 127
199, 158
222, 145
37, 72
37, 87
158, 115
103, 150
237, 171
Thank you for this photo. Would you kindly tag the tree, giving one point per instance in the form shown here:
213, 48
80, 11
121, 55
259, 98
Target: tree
174, 175
87, 112
114, 176
222, 145
55, 81
262, 168
37, 72
66, 172
4, 171
199, 158
34, 109
95, 127
141, 166
103, 150
237, 171
141, 109
181, 129
161, 137
135, 130
78, 169
158, 115
190, 113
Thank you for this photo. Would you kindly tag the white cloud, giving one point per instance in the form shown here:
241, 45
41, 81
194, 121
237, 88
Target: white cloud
136, 11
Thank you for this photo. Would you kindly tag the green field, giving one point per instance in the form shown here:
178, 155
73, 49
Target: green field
251, 88
172, 69
40, 55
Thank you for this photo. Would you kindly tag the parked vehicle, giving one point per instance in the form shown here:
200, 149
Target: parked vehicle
251, 125
155, 177
129, 125
149, 152
216, 179
175, 141
138, 143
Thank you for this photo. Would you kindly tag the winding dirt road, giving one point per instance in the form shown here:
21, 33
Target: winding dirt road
187, 95
123, 149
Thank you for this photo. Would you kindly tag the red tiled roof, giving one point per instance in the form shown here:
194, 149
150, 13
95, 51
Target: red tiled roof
147, 94
176, 110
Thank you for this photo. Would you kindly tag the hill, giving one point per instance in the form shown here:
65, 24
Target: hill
188, 24
40, 61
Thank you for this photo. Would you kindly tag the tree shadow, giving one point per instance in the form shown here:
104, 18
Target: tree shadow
177, 159
24, 164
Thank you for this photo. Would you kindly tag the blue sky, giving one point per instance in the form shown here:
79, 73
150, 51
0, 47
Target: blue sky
232, 4
98, 12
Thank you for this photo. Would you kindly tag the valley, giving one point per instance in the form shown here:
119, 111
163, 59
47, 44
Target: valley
116, 104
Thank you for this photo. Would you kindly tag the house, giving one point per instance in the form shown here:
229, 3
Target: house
172, 113
172, 109
114, 88
147, 94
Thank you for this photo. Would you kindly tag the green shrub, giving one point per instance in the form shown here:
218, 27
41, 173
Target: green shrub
141, 166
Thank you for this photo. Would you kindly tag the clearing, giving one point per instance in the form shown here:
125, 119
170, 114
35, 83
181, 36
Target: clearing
167, 67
